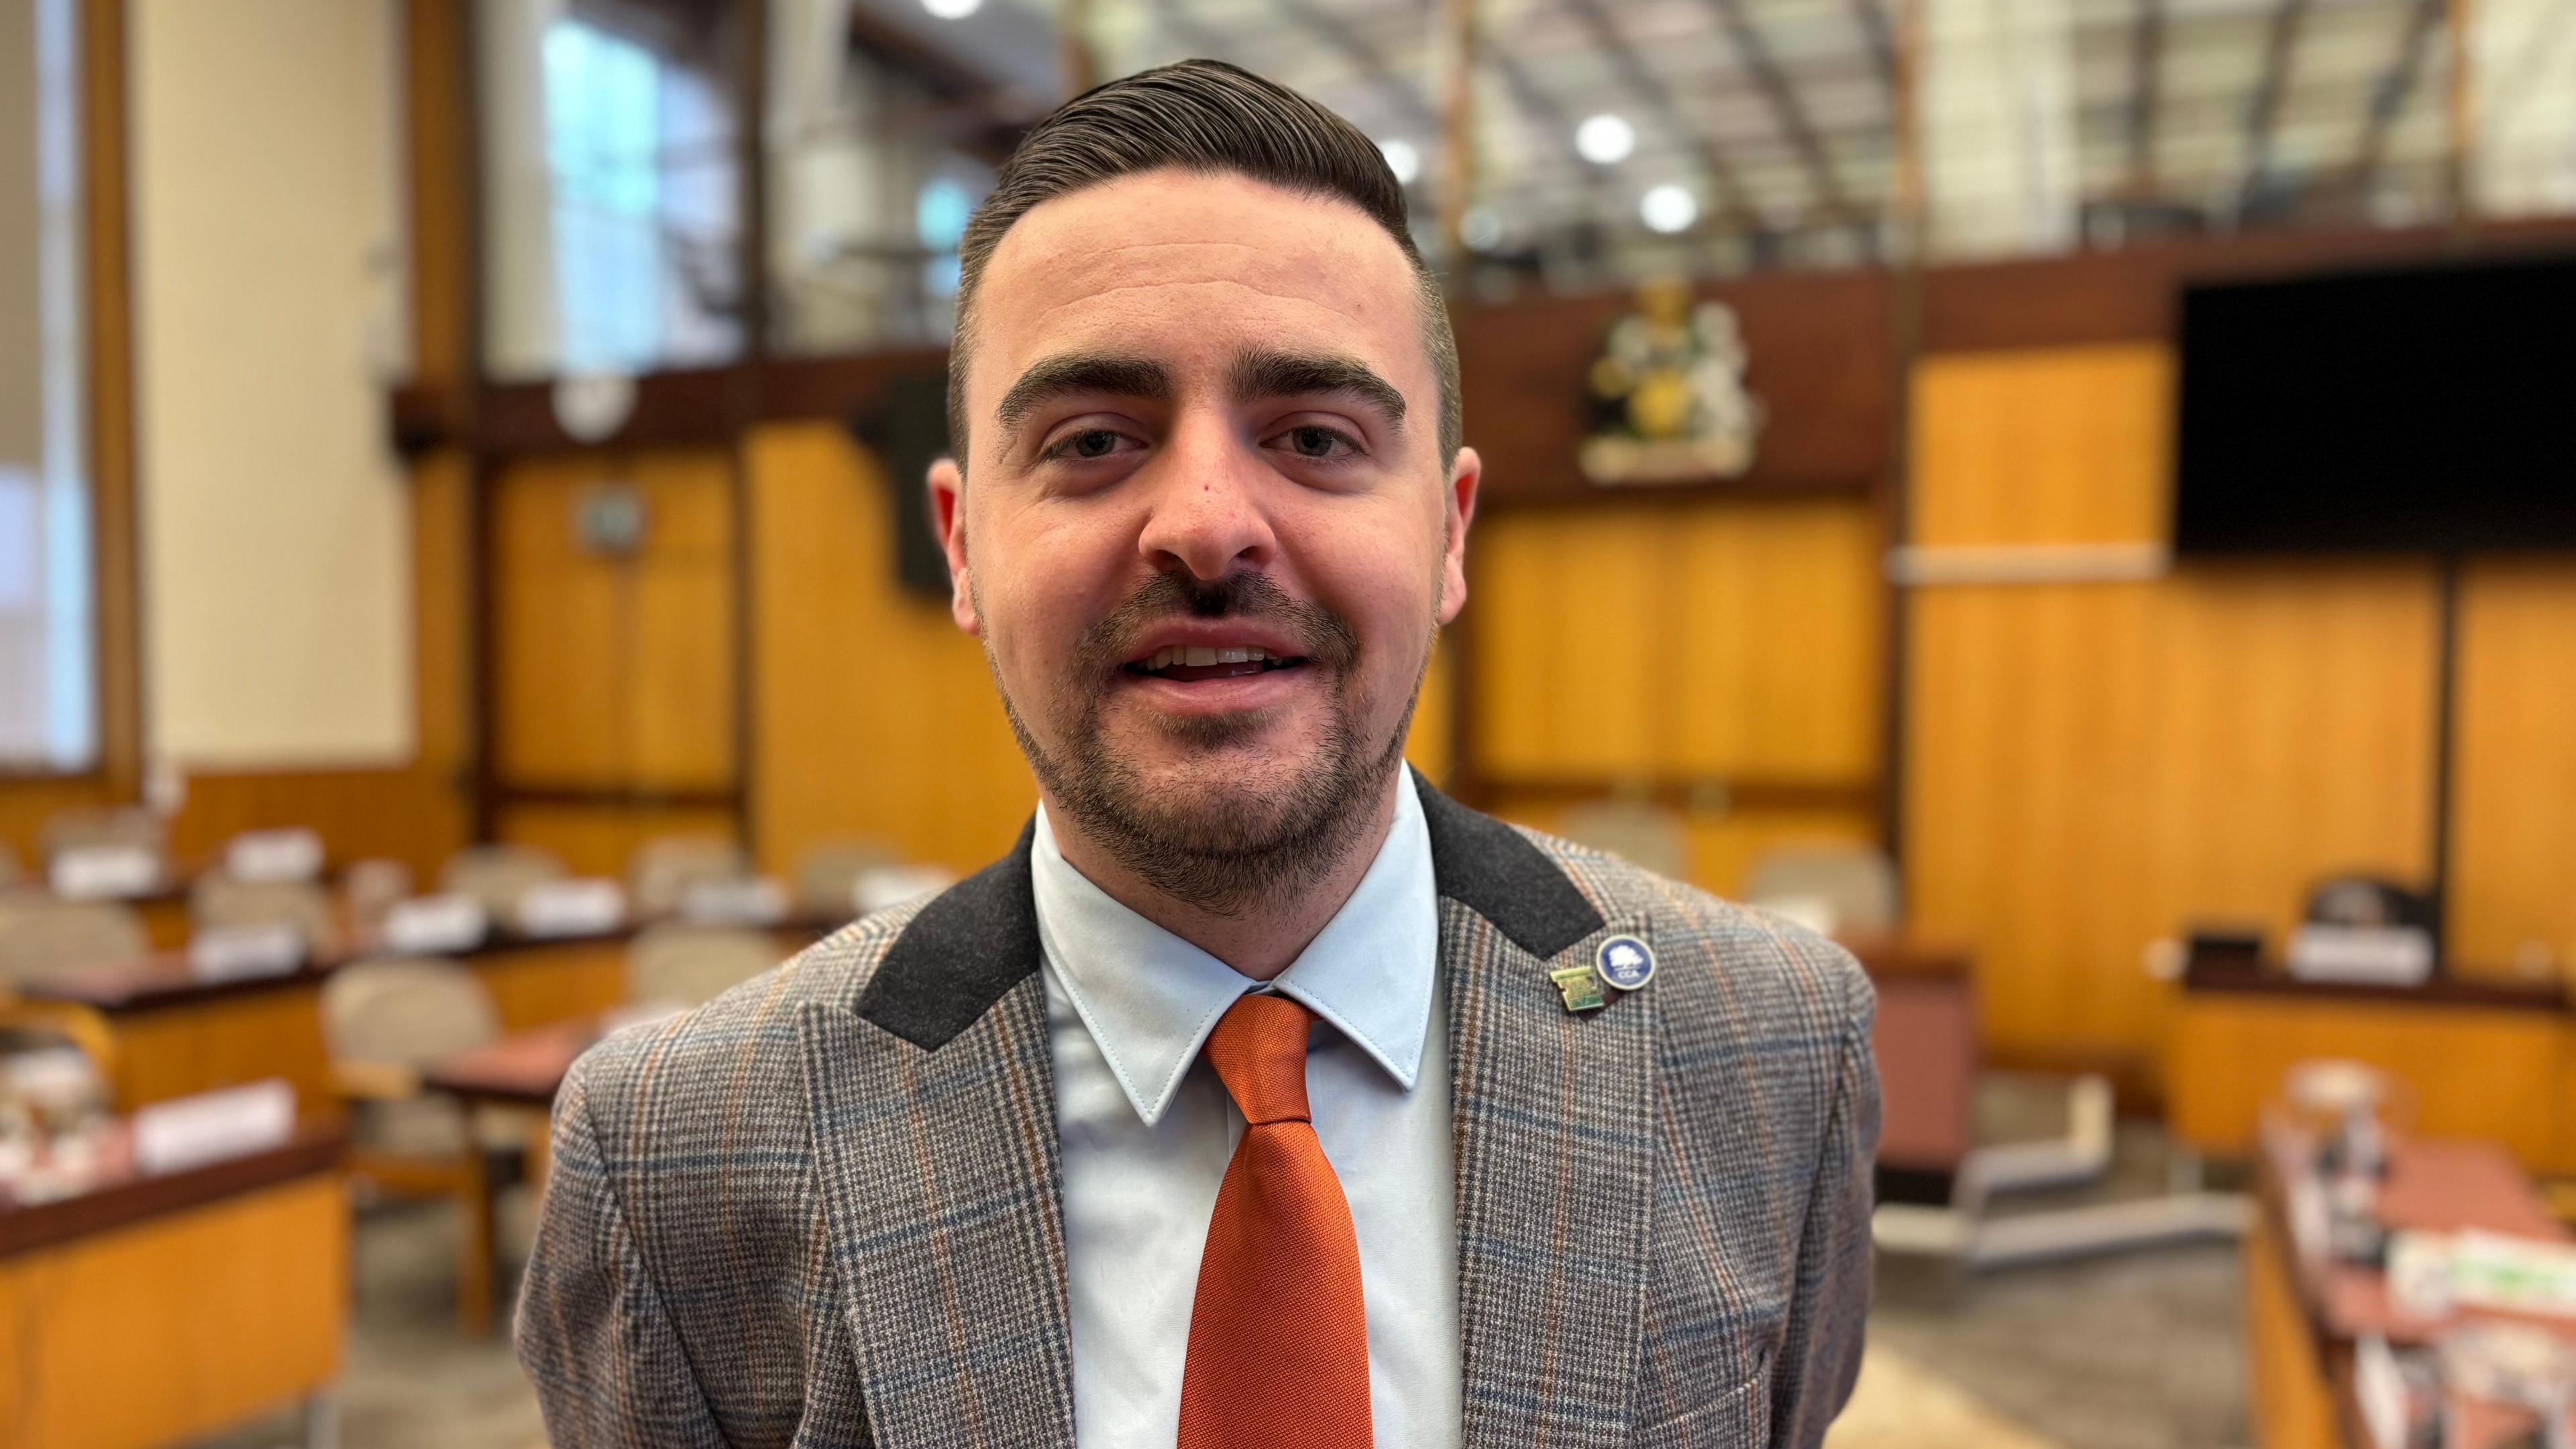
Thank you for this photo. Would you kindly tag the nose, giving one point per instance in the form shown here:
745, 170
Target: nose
1206, 514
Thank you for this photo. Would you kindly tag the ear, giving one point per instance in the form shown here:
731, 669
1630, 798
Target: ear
948, 515
1459, 500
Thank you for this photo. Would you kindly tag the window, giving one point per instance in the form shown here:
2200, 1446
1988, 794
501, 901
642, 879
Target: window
48, 698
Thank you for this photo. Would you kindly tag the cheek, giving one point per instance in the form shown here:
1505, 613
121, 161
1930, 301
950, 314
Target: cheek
1044, 581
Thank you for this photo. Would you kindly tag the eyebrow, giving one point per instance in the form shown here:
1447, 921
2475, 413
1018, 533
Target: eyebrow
1081, 372
1261, 374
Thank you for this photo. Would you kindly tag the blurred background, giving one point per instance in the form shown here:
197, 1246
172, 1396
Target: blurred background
2076, 498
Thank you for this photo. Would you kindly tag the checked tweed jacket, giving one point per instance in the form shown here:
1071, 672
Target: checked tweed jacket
822, 1209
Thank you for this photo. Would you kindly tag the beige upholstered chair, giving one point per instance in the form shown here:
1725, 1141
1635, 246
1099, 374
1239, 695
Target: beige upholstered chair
42, 937
497, 875
827, 878
386, 1021
1640, 832
1853, 886
676, 965
84, 829
666, 867
219, 900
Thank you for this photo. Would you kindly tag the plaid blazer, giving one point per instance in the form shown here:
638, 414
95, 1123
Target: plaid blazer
822, 1210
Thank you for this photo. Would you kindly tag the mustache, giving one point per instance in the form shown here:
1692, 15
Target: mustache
1324, 637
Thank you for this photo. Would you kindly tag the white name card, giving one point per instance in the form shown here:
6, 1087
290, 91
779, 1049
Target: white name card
274, 855
242, 953
2376, 955
105, 872
430, 925
750, 901
888, 885
188, 1132
587, 907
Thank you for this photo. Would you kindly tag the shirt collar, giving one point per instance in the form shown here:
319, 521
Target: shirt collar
1150, 998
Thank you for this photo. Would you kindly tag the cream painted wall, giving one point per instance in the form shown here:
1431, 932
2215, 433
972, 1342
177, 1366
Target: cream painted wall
268, 285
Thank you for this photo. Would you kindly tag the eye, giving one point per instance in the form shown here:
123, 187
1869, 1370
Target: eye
1087, 445
1315, 441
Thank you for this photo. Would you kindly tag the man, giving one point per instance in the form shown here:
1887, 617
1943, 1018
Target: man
1262, 1095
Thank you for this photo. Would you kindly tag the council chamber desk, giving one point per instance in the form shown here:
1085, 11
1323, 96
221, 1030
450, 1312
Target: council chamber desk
146, 1311
2491, 1060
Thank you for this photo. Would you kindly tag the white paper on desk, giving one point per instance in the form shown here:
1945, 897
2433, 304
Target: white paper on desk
243, 953
2519, 1275
105, 872
430, 925
745, 901
588, 907
188, 1132
274, 855
2371, 955
2379, 1390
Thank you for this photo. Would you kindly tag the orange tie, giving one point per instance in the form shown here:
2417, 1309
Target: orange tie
1278, 1335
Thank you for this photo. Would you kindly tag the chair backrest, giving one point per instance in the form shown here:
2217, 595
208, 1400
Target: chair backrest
368, 890
666, 866
1637, 831
827, 877
220, 900
675, 965
497, 875
1853, 885
41, 937
408, 1011
103, 826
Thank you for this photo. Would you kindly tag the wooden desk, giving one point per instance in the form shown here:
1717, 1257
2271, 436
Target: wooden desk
1926, 1044
2301, 1327
178, 1033
151, 1311
2483, 1059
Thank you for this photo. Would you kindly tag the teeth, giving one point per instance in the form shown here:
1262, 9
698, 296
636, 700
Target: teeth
1233, 655
1198, 656
1201, 655
1254, 655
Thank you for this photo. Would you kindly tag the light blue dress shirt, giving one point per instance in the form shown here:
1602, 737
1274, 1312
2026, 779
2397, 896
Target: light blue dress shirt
1147, 1130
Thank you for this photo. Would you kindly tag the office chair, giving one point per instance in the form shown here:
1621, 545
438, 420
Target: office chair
497, 875
386, 1021
827, 877
219, 900
1835, 888
41, 937
681, 965
666, 867
1640, 832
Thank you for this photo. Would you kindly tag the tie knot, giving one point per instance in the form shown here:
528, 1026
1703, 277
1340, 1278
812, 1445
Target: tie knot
1259, 1052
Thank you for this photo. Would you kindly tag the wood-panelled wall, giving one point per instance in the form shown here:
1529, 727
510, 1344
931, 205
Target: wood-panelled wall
2092, 766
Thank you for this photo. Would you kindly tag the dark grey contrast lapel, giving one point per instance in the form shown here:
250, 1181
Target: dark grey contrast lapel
1555, 1118
934, 1122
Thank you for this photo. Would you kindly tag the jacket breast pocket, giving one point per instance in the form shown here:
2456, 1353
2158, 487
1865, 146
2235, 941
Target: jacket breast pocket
1738, 1418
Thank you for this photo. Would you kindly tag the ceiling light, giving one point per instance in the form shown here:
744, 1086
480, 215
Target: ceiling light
1403, 160
952, 9
1669, 208
1605, 139
1481, 228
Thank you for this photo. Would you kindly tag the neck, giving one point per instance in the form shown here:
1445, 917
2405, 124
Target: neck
1261, 941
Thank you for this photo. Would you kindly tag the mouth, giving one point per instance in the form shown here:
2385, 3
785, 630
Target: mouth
1199, 663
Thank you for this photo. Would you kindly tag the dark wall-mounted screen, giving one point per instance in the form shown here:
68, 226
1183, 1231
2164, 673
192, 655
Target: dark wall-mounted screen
2419, 410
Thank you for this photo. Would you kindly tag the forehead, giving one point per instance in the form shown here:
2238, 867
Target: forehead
1188, 266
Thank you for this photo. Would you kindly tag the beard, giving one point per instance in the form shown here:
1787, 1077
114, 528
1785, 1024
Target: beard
1219, 848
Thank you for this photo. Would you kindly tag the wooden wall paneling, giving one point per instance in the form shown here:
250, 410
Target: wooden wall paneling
179, 1326
876, 717
110, 343
614, 672
1727, 638
1723, 843
2513, 853
542, 985
2093, 766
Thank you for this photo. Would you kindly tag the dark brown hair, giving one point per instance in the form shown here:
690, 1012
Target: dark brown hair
1207, 116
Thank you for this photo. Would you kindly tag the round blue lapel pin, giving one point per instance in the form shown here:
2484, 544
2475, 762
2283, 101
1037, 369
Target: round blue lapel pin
1625, 962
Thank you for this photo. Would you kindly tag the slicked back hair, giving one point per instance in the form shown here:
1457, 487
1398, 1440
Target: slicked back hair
1205, 116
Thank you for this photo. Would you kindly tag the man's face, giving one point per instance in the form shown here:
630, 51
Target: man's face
1206, 534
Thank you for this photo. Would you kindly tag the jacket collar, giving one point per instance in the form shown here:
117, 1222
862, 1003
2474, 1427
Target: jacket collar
978, 939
